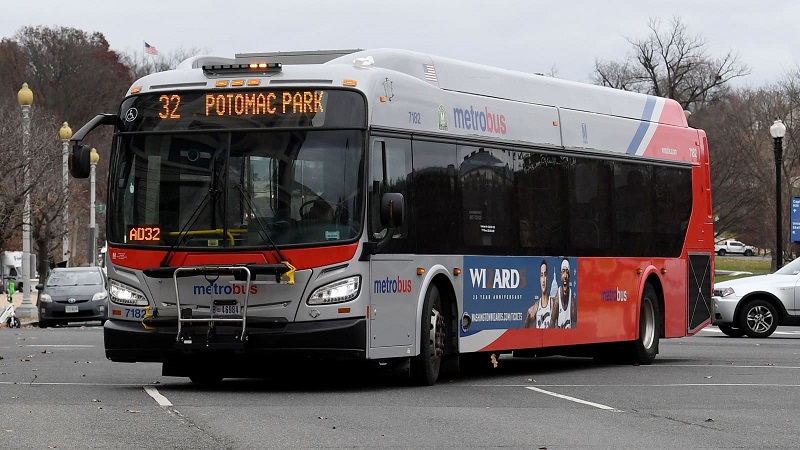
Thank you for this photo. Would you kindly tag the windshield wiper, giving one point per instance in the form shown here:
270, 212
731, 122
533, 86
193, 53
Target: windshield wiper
212, 192
262, 230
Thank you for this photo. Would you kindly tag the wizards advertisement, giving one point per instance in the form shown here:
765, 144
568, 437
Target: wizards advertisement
503, 293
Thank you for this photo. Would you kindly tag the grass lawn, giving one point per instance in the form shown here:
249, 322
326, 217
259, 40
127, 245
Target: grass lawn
754, 265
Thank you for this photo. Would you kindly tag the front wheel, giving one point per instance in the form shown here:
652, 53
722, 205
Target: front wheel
729, 330
425, 366
645, 348
758, 319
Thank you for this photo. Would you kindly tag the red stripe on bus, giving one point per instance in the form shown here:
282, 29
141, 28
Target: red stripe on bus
305, 258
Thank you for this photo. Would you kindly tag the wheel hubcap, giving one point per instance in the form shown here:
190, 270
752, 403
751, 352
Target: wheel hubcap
759, 319
649, 330
437, 333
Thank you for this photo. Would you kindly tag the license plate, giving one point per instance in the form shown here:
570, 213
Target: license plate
71, 308
227, 310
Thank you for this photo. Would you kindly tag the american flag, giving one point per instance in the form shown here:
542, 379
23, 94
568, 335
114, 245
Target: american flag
149, 49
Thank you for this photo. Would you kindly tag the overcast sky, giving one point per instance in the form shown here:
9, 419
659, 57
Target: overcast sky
532, 36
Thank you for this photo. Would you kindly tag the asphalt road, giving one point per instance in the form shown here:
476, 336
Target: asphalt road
57, 390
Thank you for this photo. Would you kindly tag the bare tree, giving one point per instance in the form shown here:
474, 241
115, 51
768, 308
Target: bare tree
142, 64
74, 75
671, 63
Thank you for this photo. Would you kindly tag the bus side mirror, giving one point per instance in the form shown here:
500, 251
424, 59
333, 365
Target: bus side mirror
79, 161
392, 209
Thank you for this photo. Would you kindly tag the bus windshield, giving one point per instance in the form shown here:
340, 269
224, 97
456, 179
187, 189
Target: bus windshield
234, 188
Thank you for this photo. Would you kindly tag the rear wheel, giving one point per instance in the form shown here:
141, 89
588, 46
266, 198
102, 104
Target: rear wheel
729, 330
425, 366
758, 319
748, 252
645, 348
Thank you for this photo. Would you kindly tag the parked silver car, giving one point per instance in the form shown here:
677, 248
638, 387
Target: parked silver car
755, 306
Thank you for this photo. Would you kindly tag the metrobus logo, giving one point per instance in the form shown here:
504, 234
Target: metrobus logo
392, 286
497, 278
470, 119
217, 289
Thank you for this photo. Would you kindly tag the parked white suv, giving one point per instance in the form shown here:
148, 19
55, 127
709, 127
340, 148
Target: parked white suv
755, 306
731, 246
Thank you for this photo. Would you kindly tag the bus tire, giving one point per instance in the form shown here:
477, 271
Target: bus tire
425, 366
645, 347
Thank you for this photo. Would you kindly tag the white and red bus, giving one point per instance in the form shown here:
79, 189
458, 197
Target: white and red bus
392, 206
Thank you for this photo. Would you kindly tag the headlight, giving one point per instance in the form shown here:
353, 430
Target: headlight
126, 295
724, 292
100, 295
336, 292
45, 298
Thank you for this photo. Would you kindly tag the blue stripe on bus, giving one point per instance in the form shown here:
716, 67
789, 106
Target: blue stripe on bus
647, 114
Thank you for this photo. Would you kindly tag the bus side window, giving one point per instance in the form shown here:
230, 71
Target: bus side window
391, 172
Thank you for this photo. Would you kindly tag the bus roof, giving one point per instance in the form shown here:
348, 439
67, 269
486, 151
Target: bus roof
422, 93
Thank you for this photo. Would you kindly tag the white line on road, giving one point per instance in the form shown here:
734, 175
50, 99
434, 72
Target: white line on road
713, 329
160, 399
61, 345
576, 400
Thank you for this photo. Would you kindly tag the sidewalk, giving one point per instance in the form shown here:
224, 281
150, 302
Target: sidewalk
17, 302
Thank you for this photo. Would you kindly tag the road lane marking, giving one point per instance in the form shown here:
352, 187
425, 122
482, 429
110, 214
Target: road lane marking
160, 399
573, 399
60, 345
713, 329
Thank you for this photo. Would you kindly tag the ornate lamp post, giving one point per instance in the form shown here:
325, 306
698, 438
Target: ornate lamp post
778, 130
65, 133
94, 157
25, 98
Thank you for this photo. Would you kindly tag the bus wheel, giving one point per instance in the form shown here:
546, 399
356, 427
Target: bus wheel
645, 347
425, 366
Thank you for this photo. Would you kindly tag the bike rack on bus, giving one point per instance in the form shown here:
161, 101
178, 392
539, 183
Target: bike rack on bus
282, 271
211, 274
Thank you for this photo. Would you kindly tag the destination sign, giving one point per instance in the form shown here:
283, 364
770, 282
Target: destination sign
244, 104
264, 108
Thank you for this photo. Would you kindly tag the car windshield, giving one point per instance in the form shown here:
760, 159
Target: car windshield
87, 278
793, 268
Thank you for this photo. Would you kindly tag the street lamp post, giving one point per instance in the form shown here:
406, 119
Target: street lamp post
778, 130
94, 157
25, 98
65, 133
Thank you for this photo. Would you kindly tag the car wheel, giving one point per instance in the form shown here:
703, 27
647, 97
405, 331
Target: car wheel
758, 319
748, 252
44, 324
721, 252
729, 330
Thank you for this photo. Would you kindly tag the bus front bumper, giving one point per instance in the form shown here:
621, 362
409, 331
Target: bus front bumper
340, 339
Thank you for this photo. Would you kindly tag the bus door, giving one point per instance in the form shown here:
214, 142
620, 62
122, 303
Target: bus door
393, 285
